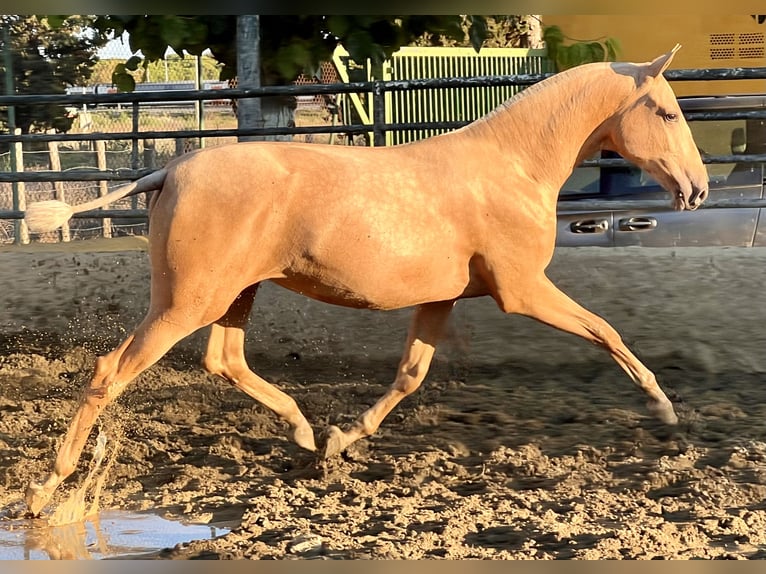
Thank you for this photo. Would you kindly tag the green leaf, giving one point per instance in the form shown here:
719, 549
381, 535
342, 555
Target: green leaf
579, 54
553, 35
359, 46
338, 25
54, 20
452, 27
568, 56
612, 49
133, 62
478, 32
291, 59
597, 53
564, 59
123, 80
174, 31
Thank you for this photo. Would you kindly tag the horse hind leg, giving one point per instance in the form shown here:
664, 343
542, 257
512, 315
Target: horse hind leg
426, 329
156, 334
225, 357
551, 306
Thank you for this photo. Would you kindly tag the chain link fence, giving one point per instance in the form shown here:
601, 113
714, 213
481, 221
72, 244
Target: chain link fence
91, 119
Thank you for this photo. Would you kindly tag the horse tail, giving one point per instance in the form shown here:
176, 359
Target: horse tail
50, 215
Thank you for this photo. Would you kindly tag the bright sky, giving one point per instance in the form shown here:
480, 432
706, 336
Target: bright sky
116, 49
120, 49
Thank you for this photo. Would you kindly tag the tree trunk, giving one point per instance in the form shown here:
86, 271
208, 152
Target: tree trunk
249, 114
535, 34
269, 112
278, 112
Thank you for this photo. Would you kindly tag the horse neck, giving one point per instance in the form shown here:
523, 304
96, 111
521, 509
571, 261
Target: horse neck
554, 124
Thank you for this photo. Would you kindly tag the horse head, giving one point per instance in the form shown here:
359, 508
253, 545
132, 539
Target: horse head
650, 131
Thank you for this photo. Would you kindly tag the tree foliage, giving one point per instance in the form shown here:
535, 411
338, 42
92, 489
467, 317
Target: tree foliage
289, 46
48, 55
172, 69
490, 31
567, 55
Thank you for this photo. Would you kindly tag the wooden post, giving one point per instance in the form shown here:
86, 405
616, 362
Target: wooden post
150, 154
20, 195
180, 147
103, 188
134, 149
58, 186
150, 161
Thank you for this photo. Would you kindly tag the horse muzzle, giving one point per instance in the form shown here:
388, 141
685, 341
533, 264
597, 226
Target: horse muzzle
696, 198
690, 201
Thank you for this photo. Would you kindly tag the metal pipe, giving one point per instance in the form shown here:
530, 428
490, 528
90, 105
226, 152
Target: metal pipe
10, 91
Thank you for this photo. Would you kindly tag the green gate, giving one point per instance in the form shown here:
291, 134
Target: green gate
445, 104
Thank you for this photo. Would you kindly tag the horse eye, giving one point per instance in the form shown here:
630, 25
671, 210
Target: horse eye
671, 117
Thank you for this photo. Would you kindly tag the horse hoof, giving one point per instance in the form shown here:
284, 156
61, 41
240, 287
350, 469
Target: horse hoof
304, 438
664, 412
36, 498
334, 442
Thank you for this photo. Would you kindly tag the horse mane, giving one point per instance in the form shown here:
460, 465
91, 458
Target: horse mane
556, 79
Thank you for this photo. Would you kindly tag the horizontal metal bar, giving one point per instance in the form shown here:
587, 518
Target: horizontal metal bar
570, 205
725, 115
144, 135
562, 206
312, 130
92, 214
351, 87
716, 74
75, 175
292, 90
133, 174
736, 158
731, 158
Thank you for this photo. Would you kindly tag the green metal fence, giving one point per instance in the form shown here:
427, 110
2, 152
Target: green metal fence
451, 104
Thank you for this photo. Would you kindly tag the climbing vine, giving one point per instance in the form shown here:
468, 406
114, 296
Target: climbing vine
567, 55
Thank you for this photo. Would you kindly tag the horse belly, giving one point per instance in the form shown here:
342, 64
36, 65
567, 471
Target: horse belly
377, 281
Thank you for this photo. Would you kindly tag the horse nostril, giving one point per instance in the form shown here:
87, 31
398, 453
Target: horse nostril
697, 198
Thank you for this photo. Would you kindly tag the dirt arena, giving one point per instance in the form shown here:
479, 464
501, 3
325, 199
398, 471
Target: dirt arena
523, 442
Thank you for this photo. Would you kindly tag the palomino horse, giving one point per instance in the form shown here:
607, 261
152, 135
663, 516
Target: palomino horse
464, 214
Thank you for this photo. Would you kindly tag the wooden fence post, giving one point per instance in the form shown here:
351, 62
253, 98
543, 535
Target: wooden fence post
150, 154
134, 148
103, 189
58, 186
22, 231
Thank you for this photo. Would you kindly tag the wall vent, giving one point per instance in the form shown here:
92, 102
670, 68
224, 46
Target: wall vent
745, 46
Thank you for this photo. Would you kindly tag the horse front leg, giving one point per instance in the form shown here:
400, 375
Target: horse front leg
426, 329
551, 306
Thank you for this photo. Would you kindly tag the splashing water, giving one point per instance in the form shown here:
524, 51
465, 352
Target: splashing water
77, 530
75, 508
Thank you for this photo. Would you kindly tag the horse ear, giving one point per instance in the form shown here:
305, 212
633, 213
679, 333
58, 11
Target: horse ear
661, 63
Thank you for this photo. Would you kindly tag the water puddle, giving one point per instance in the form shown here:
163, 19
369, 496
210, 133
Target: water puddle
78, 530
110, 534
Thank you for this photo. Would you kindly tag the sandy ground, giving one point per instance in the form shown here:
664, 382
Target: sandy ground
523, 442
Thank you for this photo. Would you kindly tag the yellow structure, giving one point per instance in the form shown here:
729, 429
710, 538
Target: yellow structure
708, 41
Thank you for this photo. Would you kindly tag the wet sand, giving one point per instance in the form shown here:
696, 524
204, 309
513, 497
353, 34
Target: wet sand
524, 442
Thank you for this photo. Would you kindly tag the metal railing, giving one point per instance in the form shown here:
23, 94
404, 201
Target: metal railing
377, 90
